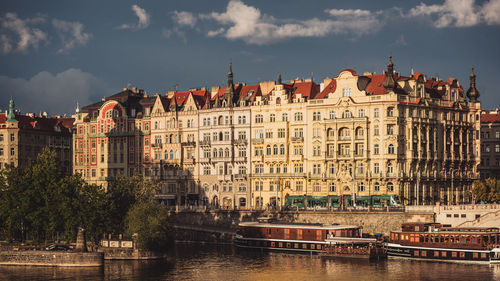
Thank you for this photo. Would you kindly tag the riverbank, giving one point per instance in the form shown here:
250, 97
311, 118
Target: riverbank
51, 258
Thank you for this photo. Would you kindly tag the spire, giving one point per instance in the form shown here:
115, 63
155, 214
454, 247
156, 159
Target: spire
279, 79
473, 93
230, 74
12, 115
389, 82
77, 107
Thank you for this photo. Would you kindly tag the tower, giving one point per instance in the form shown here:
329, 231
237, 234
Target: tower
389, 82
12, 115
473, 93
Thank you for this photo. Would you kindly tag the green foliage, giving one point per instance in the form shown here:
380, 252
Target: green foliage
39, 202
149, 220
487, 191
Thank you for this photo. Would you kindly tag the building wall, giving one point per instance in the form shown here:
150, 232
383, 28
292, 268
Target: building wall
490, 144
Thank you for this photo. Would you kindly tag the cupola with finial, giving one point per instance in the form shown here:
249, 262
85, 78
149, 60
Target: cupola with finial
11, 116
389, 82
473, 93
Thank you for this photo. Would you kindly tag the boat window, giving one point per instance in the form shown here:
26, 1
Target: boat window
421, 239
473, 240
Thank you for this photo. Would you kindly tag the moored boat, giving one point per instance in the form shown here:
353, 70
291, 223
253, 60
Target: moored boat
324, 239
432, 241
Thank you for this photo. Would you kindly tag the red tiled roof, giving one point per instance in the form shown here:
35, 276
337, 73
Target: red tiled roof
376, 87
308, 89
247, 88
42, 123
330, 88
490, 118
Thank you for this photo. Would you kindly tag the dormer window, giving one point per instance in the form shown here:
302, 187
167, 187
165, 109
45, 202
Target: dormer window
132, 112
346, 92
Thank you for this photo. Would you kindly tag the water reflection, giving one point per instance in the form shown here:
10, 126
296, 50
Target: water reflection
210, 262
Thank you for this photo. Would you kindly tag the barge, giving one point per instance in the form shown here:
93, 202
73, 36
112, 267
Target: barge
315, 238
432, 241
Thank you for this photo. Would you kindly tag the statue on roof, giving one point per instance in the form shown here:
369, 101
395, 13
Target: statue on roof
12, 114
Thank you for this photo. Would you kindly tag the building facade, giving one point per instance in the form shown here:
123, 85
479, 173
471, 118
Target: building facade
371, 139
113, 137
490, 144
23, 137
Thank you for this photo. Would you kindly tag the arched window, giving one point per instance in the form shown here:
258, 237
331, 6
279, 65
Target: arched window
344, 133
390, 168
390, 149
215, 153
221, 153
390, 187
361, 186
171, 154
359, 132
239, 119
177, 154
226, 153
390, 111
376, 186
330, 133
282, 149
275, 149
220, 121
268, 150
332, 187
166, 154
278, 101
272, 117
284, 117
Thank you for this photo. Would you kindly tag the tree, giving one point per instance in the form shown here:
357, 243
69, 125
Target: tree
149, 220
480, 191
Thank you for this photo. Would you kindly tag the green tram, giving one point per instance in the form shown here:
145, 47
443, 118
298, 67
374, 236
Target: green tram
377, 201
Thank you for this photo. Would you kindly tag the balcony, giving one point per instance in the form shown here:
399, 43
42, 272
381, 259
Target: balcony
156, 145
240, 177
258, 141
205, 143
359, 137
330, 138
189, 143
205, 160
316, 176
297, 139
344, 138
240, 159
240, 142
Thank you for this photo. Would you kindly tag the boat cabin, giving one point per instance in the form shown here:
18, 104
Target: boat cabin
434, 235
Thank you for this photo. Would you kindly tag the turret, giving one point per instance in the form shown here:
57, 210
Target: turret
389, 82
473, 93
12, 114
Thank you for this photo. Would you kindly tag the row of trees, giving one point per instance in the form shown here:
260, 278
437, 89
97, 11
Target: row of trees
39, 203
487, 191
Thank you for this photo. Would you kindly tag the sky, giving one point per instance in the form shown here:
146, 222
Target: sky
56, 53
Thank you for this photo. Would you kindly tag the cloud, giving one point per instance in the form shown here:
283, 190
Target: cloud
184, 18
247, 23
71, 34
28, 36
144, 19
54, 93
459, 13
175, 31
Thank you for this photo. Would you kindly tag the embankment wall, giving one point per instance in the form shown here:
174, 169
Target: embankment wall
51, 258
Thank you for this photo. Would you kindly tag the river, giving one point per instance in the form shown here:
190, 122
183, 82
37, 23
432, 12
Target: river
224, 262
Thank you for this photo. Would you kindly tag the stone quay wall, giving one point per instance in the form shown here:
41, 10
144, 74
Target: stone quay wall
51, 258
371, 221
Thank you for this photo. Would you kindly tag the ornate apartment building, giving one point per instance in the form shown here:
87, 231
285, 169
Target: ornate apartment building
113, 137
371, 139
22, 137
490, 144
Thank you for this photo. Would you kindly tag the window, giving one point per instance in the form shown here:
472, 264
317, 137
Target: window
317, 169
331, 169
316, 150
361, 187
317, 187
376, 149
346, 114
346, 92
390, 129
361, 113
390, 149
281, 133
390, 187
272, 117
332, 114
259, 118
275, 149
497, 147
376, 168
298, 116
1, 151
268, 149
390, 111
316, 116
376, 186
361, 168
282, 149
375, 130
332, 187
206, 170
390, 168
1, 137
497, 134
284, 117
299, 186
375, 112
269, 134
12, 151
12, 137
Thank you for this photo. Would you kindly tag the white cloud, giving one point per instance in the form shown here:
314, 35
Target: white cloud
459, 13
54, 93
249, 24
144, 19
27, 34
491, 12
184, 18
71, 34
